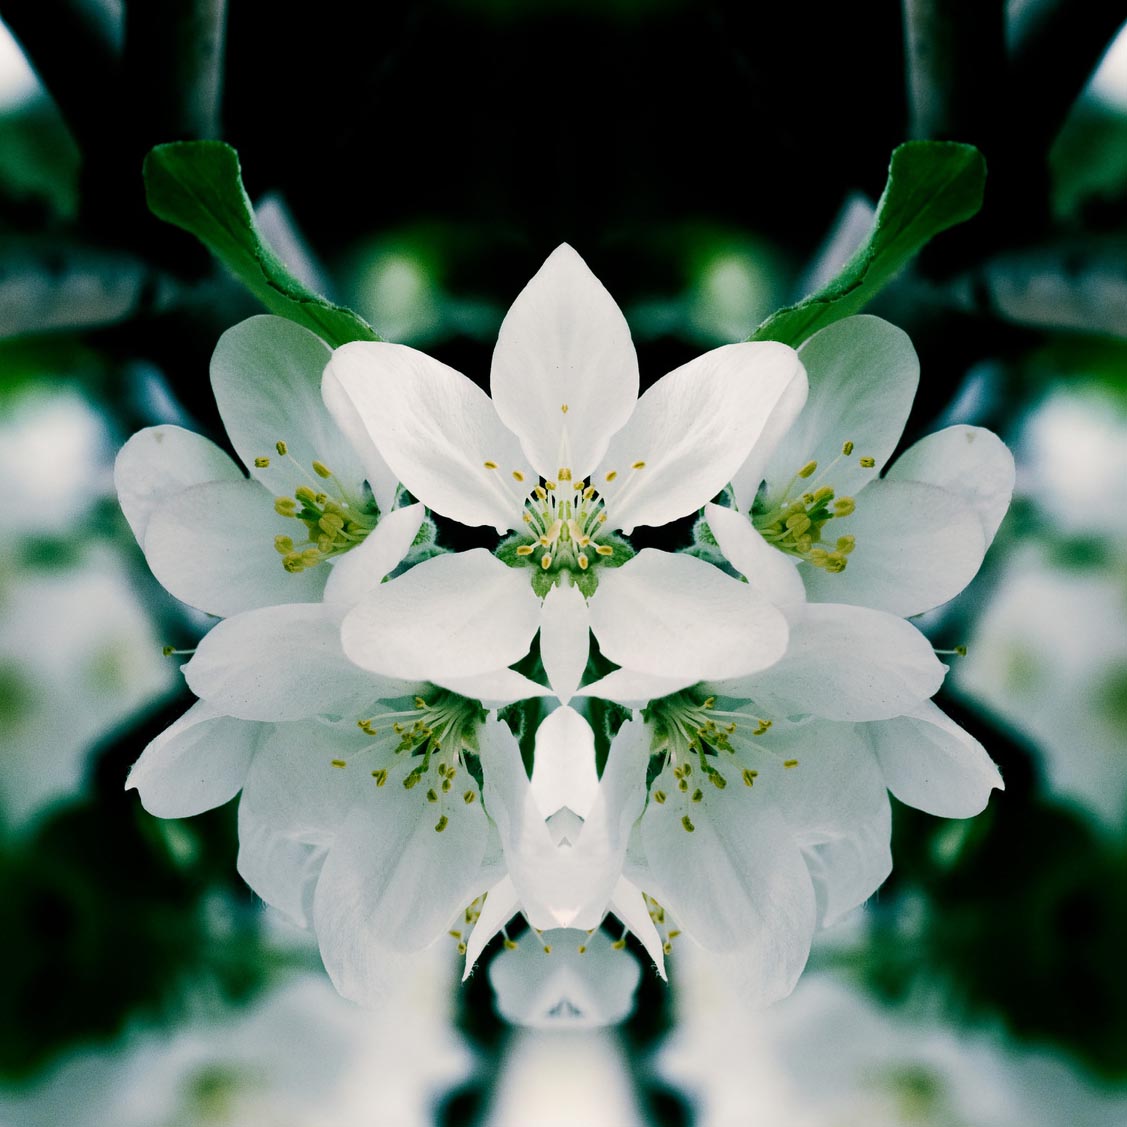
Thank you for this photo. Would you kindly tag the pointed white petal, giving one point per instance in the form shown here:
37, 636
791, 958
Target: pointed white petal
931, 763
691, 431
564, 639
677, 616
565, 374
266, 375
916, 547
449, 617
863, 376
771, 573
284, 663
627, 904
634, 689
196, 763
564, 771
501, 904
973, 463
846, 663
438, 431
354, 574
212, 546
159, 462
496, 687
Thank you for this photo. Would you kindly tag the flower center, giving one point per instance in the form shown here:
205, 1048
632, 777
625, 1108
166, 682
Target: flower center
335, 520
424, 747
797, 521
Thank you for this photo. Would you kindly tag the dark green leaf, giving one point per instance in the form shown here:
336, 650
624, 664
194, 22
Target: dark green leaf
197, 185
932, 185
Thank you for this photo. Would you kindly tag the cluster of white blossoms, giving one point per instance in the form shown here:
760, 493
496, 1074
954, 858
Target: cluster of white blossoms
759, 696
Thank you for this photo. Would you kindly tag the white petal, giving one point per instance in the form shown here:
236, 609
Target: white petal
212, 546
449, 617
738, 881
973, 463
929, 762
496, 687
438, 431
846, 663
863, 376
771, 573
157, 463
197, 763
390, 882
284, 663
565, 374
501, 904
916, 547
355, 573
677, 616
564, 639
628, 905
633, 689
266, 375
692, 430
293, 801
564, 770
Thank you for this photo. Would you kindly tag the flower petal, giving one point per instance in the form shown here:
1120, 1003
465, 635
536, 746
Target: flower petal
973, 463
159, 462
634, 689
628, 905
863, 376
564, 639
284, 663
496, 687
565, 374
501, 904
266, 375
439, 432
197, 763
931, 763
363, 568
450, 616
212, 546
691, 431
916, 547
846, 663
769, 572
676, 616
564, 772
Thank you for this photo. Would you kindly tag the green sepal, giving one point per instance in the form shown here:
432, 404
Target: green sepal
932, 185
197, 185
623, 550
587, 582
506, 551
544, 581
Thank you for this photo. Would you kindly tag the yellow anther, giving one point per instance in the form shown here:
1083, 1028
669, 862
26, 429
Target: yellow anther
321, 470
285, 506
320, 498
510, 944
338, 763
603, 517
311, 557
546, 560
683, 785
961, 651
709, 703
749, 777
283, 545
825, 493
619, 945
432, 795
526, 517
490, 465
790, 762
717, 780
698, 795
638, 466
847, 448
168, 651
262, 463
420, 703
441, 824
582, 561
563, 408
461, 948
612, 475
667, 947
455, 934
549, 485
331, 523
868, 463
282, 448
411, 781
846, 544
763, 726
582, 948
835, 563
604, 549
468, 797
564, 474
446, 785
517, 475
844, 506
589, 492
687, 823
304, 493
380, 775
525, 550
808, 469
540, 492
659, 797
547, 948
366, 727
799, 523
293, 563
578, 486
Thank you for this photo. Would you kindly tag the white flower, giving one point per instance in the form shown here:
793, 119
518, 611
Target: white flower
565, 454
223, 542
903, 543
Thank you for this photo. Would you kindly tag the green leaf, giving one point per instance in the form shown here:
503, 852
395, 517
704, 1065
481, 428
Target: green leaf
197, 185
932, 185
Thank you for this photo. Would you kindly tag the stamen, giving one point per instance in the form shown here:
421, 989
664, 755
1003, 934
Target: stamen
847, 448
262, 463
490, 465
790, 762
868, 463
808, 469
638, 466
338, 763
282, 448
517, 475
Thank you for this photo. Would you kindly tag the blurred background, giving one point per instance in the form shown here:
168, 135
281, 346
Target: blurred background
417, 161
